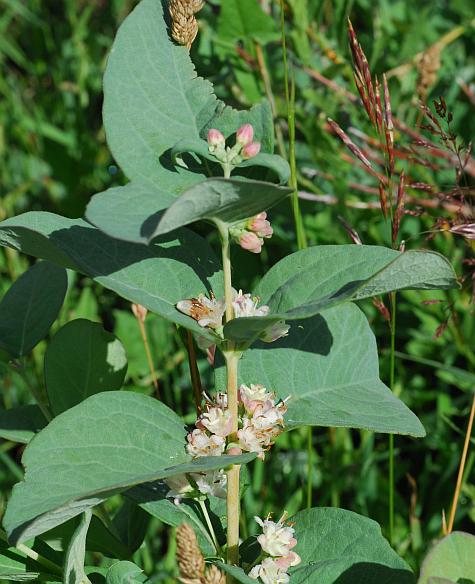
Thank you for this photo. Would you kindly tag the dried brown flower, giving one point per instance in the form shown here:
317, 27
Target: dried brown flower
184, 24
214, 576
188, 554
428, 64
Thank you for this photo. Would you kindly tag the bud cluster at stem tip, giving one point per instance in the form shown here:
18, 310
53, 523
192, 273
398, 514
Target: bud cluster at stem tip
229, 157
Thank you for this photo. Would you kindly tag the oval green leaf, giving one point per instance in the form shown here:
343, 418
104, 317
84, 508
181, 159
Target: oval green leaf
452, 559
129, 213
153, 98
309, 281
157, 276
302, 366
82, 359
21, 424
221, 200
30, 307
339, 546
103, 446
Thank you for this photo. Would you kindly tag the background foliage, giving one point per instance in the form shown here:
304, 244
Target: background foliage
53, 157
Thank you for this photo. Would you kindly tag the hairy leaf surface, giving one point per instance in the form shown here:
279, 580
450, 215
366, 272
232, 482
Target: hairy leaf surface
157, 276
81, 360
328, 365
309, 281
105, 445
30, 307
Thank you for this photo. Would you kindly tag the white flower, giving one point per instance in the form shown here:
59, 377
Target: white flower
269, 572
249, 440
252, 396
217, 421
212, 483
179, 486
268, 417
208, 312
200, 444
246, 305
276, 539
292, 559
276, 331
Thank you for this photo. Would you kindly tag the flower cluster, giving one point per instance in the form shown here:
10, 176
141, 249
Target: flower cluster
244, 148
250, 234
277, 541
260, 422
261, 419
209, 312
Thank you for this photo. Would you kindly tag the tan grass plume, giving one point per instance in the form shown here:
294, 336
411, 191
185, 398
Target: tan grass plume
184, 24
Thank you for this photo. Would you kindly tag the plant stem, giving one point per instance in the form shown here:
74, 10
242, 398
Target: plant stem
148, 353
35, 391
30, 553
463, 460
309, 466
194, 372
290, 101
392, 374
212, 533
293, 183
232, 359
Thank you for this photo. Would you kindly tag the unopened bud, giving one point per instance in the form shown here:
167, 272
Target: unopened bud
215, 138
250, 241
245, 135
140, 312
251, 150
260, 225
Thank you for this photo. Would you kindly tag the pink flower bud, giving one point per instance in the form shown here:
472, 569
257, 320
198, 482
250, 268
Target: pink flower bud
234, 450
245, 134
260, 225
250, 241
251, 150
215, 138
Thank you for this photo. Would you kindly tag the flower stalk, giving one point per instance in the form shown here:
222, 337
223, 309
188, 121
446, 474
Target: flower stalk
232, 359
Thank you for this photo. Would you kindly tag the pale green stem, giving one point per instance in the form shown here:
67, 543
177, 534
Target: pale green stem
212, 533
35, 391
392, 375
232, 359
39, 559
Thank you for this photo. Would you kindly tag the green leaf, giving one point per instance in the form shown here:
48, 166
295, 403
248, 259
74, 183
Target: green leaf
82, 359
125, 573
452, 559
329, 366
103, 446
131, 523
30, 307
219, 199
272, 162
15, 566
21, 424
153, 98
129, 213
236, 572
242, 20
75, 555
152, 498
340, 546
99, 538
157, 276
309, 281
